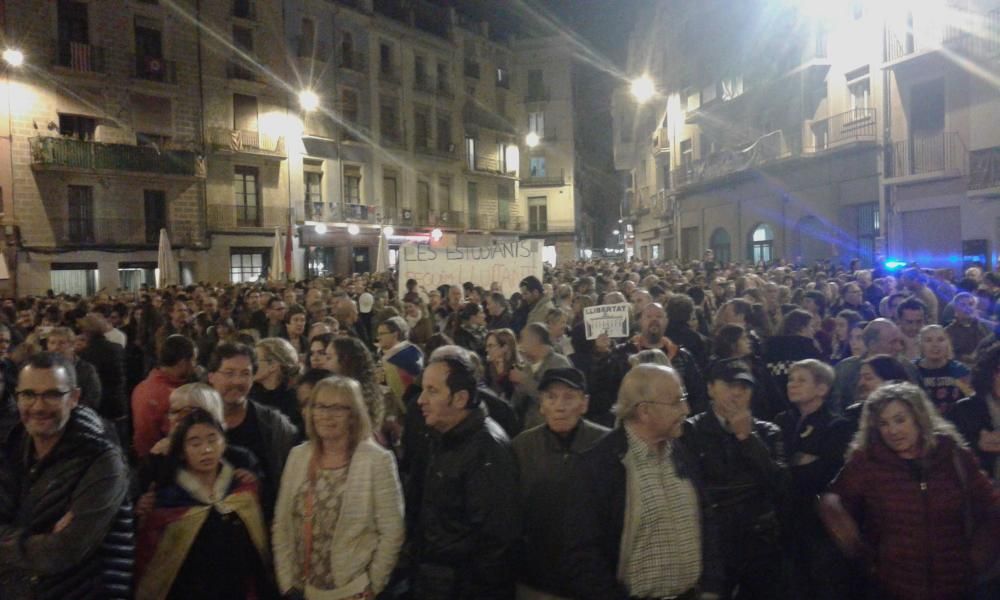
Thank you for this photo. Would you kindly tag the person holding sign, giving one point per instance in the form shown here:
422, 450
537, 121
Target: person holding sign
610, 363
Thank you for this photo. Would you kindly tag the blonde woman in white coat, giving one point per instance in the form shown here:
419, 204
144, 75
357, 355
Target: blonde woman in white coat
338, 525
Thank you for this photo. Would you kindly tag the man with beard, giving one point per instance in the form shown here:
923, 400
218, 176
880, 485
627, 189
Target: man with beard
262, 430
610, 364
65, 518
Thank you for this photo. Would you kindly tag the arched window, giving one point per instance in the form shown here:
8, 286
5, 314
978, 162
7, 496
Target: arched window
720, 245
762, 243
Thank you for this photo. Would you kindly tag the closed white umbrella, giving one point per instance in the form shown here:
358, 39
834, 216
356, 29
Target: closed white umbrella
277, 270
383, 252
165, 263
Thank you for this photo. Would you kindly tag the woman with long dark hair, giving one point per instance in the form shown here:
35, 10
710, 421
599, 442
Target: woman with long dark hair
348, 356
205, 537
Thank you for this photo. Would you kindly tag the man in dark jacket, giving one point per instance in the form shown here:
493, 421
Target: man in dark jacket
680, 309
497, 312
465, 520
546, 458
65, 519
638, 524
108, 359
610, 363
743, 469
262, 430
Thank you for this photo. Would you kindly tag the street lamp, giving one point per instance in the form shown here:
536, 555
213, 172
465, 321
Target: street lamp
642, 89
532, 139
320, 228
308, 100
12, 57
388, 230
353, 229
436, 234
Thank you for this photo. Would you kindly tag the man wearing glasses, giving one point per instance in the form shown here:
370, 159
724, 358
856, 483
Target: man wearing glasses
262, 430
64, 510
638, 525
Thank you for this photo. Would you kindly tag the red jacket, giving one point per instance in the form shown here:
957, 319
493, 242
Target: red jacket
150, 405
914, 519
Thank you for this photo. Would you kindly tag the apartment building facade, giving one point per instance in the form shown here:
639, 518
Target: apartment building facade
130, 116
856, 133
101, 144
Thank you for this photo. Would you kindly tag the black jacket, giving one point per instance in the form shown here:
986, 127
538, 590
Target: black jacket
780, 352
467, 519
689, 339
546, 463
744, 480
108, 359
972, 415
596, 519
815, 447
85, 473
608, 369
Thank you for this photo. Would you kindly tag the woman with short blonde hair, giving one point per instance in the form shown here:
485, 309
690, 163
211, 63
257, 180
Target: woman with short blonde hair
277, 366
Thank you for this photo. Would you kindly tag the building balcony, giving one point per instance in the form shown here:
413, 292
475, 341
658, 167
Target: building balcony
424, 85
490, 165
857, 126
452, 219
470, 68
80, 57
245, 9
537, 95
495, 223
926, 157
730, 162
352, 61
226, 140
52, 153
133, 232
228, 217
550, 226
977, 35
547, 180
409, 217
154, 68
359, 213
236, 69
984, 169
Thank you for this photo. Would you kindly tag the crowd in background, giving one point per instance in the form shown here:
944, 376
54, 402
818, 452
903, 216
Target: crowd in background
779, 432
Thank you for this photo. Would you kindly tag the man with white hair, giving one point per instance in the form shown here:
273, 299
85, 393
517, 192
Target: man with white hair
638, 525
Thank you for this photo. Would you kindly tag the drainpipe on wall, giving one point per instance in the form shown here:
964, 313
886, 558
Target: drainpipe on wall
884, 191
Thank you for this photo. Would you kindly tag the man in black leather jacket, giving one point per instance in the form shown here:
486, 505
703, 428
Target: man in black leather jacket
742, 465
465, 517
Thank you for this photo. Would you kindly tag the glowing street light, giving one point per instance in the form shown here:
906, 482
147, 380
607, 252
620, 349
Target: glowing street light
642, 89
320, 228
308, 100
12, 57
532, 139
436, 234
353, 229
388, 230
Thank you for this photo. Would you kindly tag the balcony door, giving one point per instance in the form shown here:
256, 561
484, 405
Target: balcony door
926, 117
423, 202
155, 207
148, 52
390, 198
247, 195
73, 29
244, 112
80, 214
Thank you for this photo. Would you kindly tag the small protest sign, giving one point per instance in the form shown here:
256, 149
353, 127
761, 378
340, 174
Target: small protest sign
610, 319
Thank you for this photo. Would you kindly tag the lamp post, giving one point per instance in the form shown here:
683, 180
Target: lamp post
642, 89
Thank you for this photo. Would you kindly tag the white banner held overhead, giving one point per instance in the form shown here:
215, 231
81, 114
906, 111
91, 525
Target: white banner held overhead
482, 265
610, 319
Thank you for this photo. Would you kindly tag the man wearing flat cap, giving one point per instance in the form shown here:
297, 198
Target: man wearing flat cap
743, 471
546, 456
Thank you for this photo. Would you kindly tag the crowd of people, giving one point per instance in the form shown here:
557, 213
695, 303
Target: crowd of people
760, 433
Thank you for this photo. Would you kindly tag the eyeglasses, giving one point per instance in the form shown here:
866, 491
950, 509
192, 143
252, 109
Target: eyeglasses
381, 333
682, 400
236, 374
331, 409
49, 397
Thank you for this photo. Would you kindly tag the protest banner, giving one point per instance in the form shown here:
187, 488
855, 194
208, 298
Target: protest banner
507, 263
610, 319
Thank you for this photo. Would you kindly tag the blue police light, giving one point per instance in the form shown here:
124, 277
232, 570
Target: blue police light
894, 265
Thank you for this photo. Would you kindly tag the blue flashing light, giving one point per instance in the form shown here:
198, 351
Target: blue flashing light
894, 265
